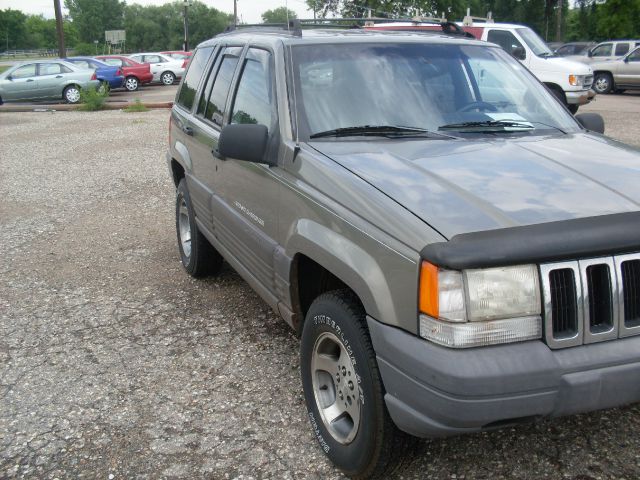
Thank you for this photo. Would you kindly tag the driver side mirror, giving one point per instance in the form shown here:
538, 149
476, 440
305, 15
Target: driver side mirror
519, 53
591, 121
589, 53
244, 141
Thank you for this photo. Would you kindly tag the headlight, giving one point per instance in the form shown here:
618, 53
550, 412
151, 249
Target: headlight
480, 306
578, 80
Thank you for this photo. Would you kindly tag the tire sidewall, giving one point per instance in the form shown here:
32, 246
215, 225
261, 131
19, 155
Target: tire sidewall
182, 192
137, 83
609, 80
326, 316
165, 74
66, 91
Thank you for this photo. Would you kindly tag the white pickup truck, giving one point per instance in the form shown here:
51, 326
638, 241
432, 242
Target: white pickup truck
569, 80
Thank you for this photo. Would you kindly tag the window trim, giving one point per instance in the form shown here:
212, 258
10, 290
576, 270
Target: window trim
27, 65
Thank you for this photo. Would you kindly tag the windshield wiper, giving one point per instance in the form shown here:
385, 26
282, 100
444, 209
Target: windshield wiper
376, 130
490, 126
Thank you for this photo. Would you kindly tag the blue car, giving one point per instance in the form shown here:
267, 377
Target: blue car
105, 73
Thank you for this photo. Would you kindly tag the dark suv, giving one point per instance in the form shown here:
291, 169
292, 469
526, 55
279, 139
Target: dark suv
456, 250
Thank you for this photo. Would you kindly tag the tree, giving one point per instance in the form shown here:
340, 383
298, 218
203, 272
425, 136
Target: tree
13, 34
93, 17
161, 27
278, 15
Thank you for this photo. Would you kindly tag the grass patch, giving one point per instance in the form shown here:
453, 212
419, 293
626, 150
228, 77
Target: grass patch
137, 106
4, 67
92, 99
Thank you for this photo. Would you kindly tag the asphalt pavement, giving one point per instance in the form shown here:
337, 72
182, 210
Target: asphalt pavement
115, 364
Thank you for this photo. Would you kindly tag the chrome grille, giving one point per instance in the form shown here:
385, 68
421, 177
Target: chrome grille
591, 300
588, 80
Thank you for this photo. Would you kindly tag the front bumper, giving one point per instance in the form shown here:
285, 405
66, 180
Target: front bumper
581, 97
433, 391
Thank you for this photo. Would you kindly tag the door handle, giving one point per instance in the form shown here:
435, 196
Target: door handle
30, 80
58, 76
188, 131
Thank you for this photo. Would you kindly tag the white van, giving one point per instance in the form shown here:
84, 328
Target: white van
570, 81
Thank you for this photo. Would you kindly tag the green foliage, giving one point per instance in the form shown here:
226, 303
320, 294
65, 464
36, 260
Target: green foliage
84, 49
4, 67
92, 99
13, 33
278, 15
135, 107
93, 17
153, 28
588, 20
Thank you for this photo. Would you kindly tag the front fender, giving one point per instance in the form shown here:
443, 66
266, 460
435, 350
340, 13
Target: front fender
347, 261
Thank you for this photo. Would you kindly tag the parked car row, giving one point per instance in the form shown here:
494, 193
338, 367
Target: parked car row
615, 63
63, 79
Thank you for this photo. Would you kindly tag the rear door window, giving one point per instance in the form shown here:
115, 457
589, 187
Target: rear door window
51, 69
622, 49
214, 96
196, 70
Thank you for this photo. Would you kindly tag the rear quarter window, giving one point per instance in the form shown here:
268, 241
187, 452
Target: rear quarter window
187, 93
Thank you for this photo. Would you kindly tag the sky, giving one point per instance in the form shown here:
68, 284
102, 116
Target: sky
249, 11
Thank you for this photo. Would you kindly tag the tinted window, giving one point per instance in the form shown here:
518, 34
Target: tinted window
253, 103
113, 61
622, 49
603, 50
25, 71
81, 63
214, 109
566, 50
634, 57
196, 69
505, 39
50, 69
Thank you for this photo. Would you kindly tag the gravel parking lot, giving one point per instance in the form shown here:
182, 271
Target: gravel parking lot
115, 364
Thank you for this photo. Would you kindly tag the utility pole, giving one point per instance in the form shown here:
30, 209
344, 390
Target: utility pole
559, 22
185, 44
62, 52
235, 13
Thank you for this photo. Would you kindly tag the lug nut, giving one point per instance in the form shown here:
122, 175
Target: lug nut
350, 385
344, 371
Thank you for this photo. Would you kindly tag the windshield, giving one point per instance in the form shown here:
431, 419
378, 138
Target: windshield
535, 43
419, 86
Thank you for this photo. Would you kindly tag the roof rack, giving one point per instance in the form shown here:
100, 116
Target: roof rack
468, 19
295, 26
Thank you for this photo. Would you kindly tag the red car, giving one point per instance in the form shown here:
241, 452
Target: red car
135, 73
179, 55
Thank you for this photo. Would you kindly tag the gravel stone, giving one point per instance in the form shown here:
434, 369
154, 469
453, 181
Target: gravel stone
116, 364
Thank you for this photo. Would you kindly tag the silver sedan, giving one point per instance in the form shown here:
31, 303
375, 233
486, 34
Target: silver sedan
45, 79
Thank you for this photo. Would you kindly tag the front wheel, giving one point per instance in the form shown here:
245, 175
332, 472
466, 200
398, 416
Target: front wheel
198, 256
343, 389
131, 84
603, 83
168, 78
71, 94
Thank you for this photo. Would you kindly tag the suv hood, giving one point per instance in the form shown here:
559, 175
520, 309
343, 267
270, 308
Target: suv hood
460, 186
